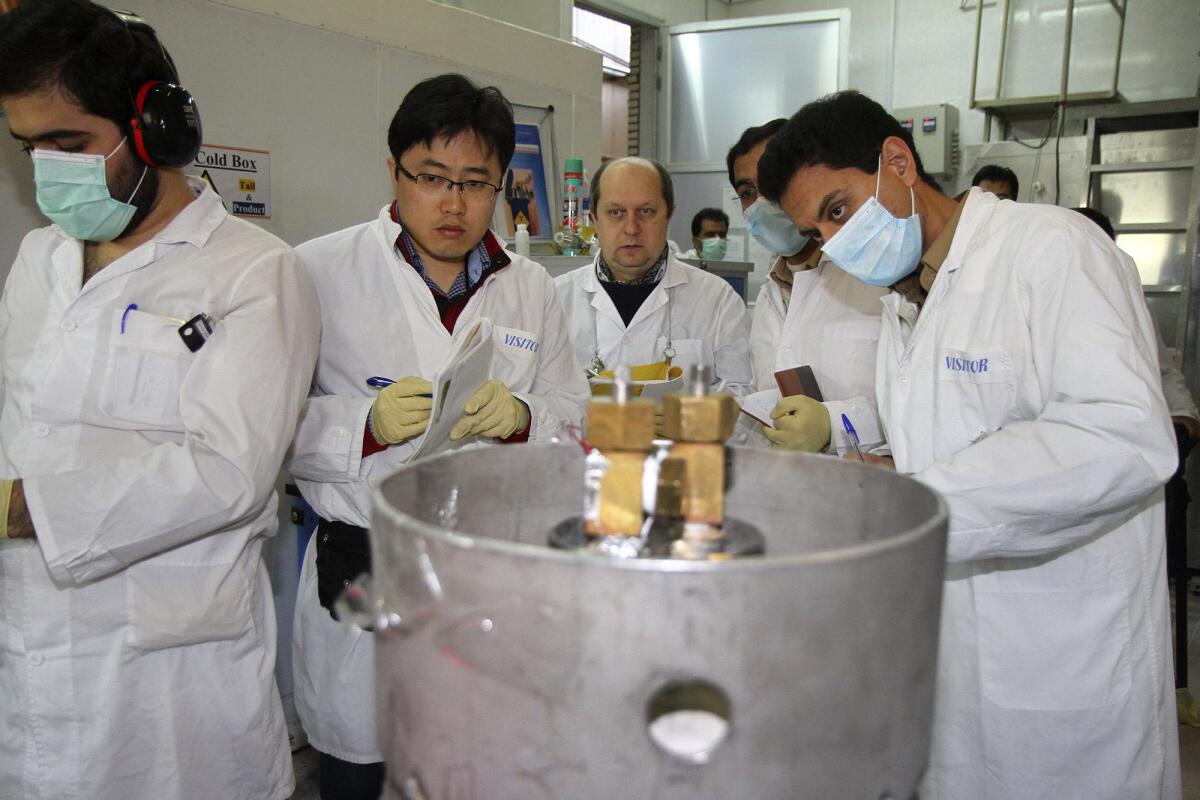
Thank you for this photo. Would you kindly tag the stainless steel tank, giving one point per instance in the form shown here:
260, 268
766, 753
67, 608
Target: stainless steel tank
507, 669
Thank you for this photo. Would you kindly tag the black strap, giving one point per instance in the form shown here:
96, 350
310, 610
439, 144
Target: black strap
343, 553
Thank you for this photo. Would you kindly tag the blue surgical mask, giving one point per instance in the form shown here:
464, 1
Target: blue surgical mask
771, 228
72, 190
876, 247
712, 249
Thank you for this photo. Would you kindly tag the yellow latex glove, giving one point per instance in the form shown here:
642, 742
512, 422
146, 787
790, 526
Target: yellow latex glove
492, 411
6, 487
801, 423
401, 411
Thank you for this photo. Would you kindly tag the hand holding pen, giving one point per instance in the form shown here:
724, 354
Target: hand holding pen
852, 434
401, 409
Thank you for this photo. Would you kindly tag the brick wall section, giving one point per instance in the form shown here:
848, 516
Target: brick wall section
633, 80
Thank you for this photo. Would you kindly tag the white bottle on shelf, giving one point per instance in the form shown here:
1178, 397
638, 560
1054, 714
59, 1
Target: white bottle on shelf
521, 242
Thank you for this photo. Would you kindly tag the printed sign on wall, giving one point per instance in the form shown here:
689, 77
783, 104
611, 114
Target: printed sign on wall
240, 175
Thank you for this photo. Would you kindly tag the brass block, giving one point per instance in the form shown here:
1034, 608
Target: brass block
620, 426
671, 479
704, 487
621, 494
703, 418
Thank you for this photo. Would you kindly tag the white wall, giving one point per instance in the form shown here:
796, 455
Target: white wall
317, 89
544, 16
933, 42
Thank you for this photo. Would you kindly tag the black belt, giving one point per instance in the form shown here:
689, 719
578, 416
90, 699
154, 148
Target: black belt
343, 553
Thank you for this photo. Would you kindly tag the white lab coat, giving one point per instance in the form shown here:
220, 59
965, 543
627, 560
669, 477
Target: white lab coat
379, 318
832, 325
137, 633
708, 324
1054, 674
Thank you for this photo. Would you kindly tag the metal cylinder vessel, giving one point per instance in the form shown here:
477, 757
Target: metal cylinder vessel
507, 669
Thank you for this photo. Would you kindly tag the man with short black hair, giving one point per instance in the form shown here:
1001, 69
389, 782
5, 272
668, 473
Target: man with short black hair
1017, 377
710, 230
155, 354
397, 294
1000, 181
808, 313
638, 305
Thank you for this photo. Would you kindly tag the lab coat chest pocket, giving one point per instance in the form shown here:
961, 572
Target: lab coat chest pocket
976, 392
181, 604
687, 352
147, 362
848, 350
515, 357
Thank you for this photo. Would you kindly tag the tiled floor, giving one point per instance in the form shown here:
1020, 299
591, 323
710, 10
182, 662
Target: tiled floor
304, 762
1189, 738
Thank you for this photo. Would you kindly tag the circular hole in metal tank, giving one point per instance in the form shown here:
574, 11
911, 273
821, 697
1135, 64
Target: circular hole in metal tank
689, 719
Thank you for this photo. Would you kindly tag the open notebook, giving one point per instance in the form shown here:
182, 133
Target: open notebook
467, 365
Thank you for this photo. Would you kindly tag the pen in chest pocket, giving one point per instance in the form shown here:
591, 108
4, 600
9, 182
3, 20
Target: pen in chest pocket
193, 332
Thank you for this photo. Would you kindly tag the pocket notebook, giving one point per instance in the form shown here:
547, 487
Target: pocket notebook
799, 380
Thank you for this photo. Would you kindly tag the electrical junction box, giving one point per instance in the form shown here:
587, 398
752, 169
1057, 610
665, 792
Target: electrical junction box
934, 129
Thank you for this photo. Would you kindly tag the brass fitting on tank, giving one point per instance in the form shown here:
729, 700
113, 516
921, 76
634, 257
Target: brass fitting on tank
699, 423
622, 429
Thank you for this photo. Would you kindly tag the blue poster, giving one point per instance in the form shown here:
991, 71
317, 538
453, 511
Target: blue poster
526, 198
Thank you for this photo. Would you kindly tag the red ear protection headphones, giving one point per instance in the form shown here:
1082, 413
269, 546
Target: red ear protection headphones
165, 126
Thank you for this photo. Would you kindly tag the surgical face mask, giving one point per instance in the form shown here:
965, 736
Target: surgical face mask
72, 191
771, 228
712, 249
876, 247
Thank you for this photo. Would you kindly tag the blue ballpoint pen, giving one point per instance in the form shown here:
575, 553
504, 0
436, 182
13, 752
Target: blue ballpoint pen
853, 435
377, 382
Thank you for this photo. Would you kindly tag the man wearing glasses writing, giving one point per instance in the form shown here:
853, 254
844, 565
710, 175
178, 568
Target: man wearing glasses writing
396, 293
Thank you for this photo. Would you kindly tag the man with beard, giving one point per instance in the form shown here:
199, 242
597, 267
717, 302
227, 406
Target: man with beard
1017, 375
155, 354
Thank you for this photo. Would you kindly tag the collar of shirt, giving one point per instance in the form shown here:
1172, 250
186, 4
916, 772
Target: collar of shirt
653, 275
488, 253
915, 287
784, 273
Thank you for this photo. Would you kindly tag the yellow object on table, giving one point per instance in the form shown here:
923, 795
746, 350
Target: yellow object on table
6, 487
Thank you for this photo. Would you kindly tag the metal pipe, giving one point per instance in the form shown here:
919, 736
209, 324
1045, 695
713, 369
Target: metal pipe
1003, 50
1066, 61
975, 60
1120, 42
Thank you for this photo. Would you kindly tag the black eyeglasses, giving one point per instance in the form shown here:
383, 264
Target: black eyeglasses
432, 185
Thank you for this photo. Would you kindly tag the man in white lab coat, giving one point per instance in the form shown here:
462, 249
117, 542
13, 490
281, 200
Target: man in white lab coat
155, 354
710, 234
809, 313
396, 294
636, 304
1018, 377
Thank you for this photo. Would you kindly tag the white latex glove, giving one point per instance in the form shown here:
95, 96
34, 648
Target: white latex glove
401, 410
492, 411
801, 423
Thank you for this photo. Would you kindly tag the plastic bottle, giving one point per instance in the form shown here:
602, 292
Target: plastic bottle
570, 241
521, 242
587, 228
